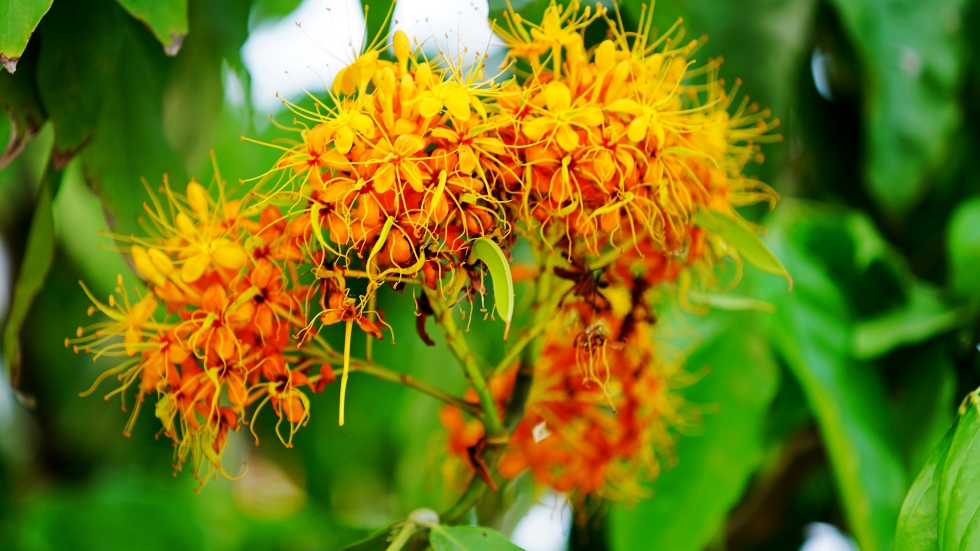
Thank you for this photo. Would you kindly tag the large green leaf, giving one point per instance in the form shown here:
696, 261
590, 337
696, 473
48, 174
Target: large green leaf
34, 268
104, 93
166, 18
193, 95
913, 62
964, 250
917, 523
959, 501
468, 538
812, 332
942, 510
80, 47
924, 398
691, 500
18, 19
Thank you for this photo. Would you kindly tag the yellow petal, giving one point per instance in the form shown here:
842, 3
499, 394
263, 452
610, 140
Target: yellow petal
423, 76
408, 144
344, 139
567, 138
231, 256
430, 107
133, 337
445, 134
194, 267
161, 261
467, 159
197, 198
490, 145
384, 178
404, 126
184, 225
625, 105
557, 96
410, 172
363, 123
535, 129
478, 106
459, 107
637, 130
589, 116
143, 309
605, 55
143, 264
403, 48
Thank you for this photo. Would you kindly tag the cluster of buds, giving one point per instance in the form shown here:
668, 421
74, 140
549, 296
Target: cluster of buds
599, 158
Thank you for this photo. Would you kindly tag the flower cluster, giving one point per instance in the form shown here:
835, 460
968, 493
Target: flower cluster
601, 158
214, 331
618, 147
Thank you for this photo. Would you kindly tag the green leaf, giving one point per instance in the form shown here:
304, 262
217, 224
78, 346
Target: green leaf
964, 250
737, 233
80, 46
925, 316
918, 528
194, 93
19, 100
959, 502
166, 18
264, 10
38, 257
19, 19
729, 301
812, 334
763, 43
376, 542
485, 250
468, 538
924, 398
690, 501
106, 94
913, 61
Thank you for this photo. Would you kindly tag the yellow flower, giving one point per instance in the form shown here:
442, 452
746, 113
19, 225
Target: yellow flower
559, 118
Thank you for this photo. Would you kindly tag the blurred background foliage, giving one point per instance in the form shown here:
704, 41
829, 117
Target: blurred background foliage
825, 407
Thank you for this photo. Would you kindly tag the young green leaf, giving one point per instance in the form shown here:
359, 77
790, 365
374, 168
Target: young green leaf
468, 538
489, 253
739, 235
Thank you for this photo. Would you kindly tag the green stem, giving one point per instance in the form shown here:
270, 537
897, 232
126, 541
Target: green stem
405, 534
390, 375
474, 492
542, 319
544, 297
459, 348
385, 374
